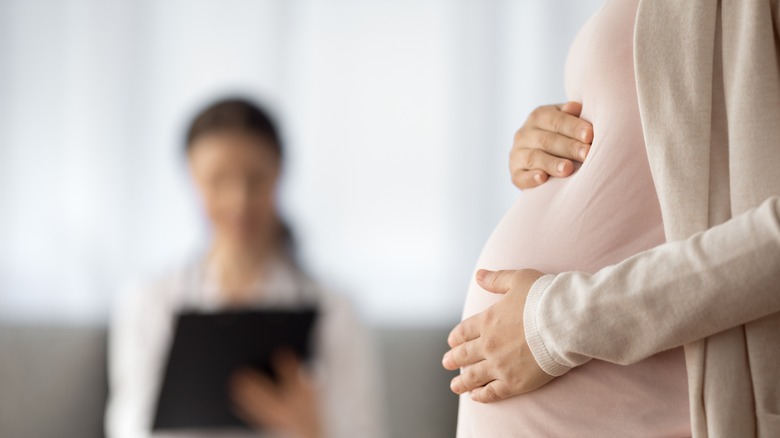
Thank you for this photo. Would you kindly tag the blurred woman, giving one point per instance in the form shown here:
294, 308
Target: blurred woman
235, 156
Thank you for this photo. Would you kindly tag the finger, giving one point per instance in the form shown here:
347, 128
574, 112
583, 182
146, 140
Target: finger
241, 413
247, 377
492, 392
287, 367
495, 281
257, 413
556, 120
253, 385
467, 330
247, 417
260, 417
258, 400
463, 355
534, 158
527, 179
561, 147
572, 108
472, 377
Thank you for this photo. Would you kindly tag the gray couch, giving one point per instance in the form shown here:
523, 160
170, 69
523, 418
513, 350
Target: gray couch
53, 382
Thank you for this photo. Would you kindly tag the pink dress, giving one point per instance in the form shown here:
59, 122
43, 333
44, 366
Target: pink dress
607, 211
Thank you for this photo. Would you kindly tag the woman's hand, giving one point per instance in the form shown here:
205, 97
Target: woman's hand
289, 406
550, 140
491, 347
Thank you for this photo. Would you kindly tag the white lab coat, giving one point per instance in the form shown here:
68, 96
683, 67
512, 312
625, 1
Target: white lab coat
141, 332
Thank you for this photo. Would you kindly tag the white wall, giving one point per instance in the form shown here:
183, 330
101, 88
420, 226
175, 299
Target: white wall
398, 115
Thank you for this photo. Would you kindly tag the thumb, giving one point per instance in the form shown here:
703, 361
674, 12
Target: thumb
495, 281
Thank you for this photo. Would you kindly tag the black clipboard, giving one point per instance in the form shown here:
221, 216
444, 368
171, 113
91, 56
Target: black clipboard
208, 347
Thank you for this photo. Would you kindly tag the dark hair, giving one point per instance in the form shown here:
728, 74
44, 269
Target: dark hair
241, 115
234, 114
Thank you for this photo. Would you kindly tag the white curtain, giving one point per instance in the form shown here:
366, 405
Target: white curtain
398, 117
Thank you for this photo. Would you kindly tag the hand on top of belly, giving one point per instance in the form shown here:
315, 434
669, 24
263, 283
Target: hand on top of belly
491, 347
546, 144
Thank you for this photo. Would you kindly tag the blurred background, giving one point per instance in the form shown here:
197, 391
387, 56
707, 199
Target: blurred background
398, 117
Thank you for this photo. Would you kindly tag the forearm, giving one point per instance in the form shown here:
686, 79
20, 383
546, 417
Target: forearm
659, 299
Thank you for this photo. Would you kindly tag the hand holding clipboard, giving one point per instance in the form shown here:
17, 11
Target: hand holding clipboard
209, 348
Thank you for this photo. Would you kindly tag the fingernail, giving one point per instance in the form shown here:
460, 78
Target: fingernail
538, 178
481, 274
582, 153
561, 166
584, 134
445, 358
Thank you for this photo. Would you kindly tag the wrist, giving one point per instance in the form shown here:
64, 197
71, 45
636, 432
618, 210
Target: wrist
532, 335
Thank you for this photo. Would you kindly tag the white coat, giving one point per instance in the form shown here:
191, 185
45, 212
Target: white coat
142, 328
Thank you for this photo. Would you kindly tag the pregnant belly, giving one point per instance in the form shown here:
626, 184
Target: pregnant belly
564, 226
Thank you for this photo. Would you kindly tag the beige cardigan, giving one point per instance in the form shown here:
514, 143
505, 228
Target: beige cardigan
708, 80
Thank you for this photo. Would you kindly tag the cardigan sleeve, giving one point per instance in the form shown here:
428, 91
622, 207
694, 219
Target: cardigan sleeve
659, 299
